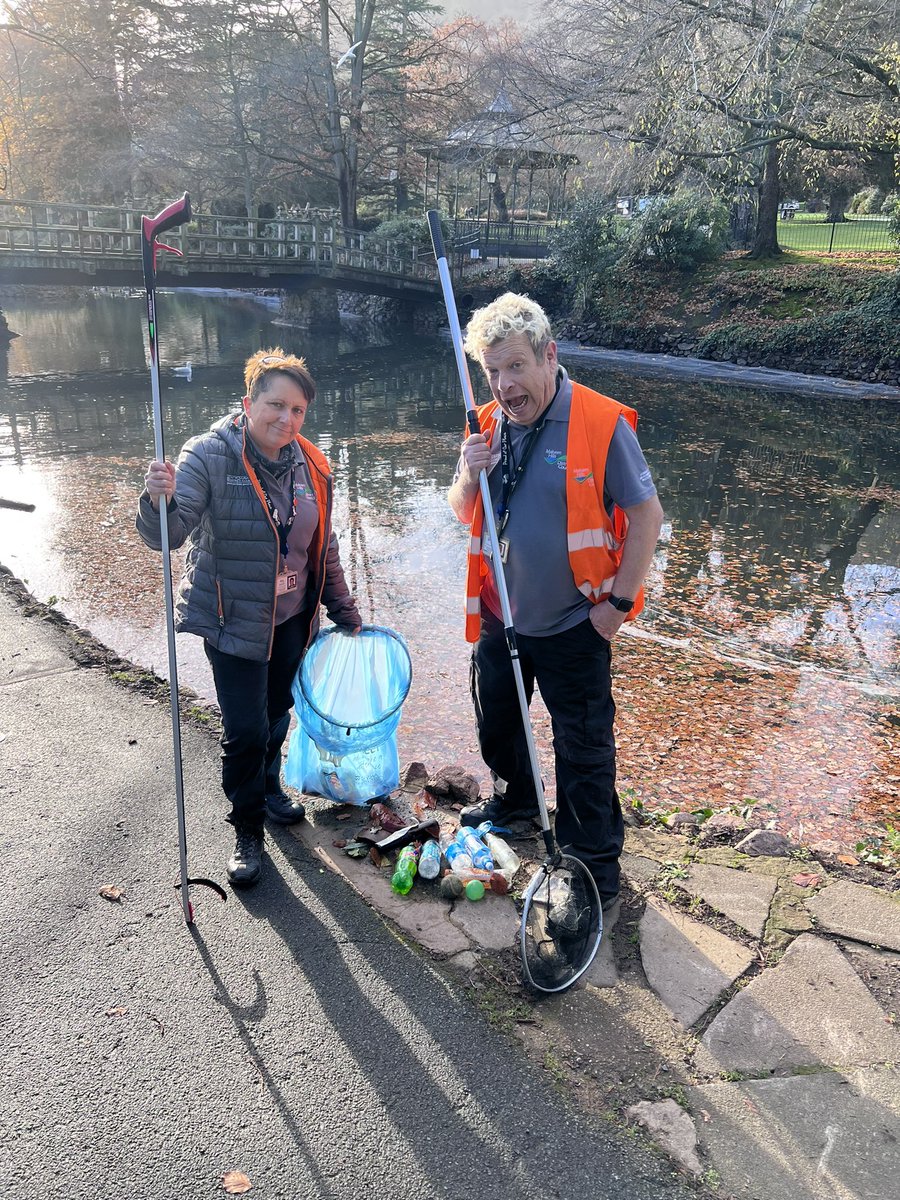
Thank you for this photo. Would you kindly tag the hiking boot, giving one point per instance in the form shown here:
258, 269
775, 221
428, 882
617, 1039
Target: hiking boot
282, 809
498, 811
245, 865
607, 903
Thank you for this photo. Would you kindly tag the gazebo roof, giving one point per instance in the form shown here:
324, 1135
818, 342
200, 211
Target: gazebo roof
498, 136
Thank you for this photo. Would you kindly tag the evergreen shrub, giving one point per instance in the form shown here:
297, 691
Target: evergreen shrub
680, 231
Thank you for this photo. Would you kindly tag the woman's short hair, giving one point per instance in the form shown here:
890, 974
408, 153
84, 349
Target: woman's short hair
509, 314
261, 366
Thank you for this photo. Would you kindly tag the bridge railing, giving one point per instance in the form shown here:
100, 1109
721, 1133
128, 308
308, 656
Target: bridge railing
65, 231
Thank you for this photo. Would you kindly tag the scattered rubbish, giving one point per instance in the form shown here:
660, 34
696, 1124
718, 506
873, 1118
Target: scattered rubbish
109, 891
474, 890
424, 802
356, 849
506, 861
386, 818
120, 1011
405, 872
430, 859
452, 887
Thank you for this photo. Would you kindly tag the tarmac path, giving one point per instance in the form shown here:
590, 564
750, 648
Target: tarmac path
290, 1035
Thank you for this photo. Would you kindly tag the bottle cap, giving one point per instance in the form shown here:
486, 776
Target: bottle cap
475, 889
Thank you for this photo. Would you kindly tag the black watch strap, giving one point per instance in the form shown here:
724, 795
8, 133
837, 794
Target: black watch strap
621, 603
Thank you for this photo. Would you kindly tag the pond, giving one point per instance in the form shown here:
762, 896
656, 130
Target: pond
764, 672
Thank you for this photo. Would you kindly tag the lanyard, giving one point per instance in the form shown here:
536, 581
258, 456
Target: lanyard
510, 472
283, 528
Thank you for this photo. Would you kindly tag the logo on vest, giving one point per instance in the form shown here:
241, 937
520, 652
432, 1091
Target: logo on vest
555, 458
582, 474
237, 481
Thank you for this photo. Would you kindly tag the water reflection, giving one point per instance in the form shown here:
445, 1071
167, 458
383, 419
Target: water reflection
781, 513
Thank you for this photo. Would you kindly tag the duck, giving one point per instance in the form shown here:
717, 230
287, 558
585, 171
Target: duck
184, 372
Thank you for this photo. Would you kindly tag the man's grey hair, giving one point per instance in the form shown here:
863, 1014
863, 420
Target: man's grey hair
509, 314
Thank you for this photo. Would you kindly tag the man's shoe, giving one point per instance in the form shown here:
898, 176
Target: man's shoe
498, 811
282, 809
245, 865
609, 902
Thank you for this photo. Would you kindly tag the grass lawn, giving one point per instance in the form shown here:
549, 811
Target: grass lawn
808, 231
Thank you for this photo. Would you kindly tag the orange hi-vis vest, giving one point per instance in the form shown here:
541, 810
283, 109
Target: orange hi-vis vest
595, 539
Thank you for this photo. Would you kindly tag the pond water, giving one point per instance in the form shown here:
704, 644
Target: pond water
764, 672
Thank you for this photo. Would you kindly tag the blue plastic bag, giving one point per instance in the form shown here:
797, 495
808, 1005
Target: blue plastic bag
348, 697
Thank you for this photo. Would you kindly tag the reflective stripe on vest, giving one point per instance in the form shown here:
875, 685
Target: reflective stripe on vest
594, 540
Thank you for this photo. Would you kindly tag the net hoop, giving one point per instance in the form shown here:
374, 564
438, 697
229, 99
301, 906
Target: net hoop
543, 874
365, 630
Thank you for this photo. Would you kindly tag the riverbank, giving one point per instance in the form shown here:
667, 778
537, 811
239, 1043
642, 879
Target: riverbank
711, 938
835, 318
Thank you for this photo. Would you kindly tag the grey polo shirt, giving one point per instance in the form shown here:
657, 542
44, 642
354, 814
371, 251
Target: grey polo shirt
542, 593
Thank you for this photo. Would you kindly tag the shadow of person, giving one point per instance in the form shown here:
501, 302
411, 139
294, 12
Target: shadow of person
361, 1046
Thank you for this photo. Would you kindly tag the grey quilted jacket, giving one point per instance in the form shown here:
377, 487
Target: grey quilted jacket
227, 593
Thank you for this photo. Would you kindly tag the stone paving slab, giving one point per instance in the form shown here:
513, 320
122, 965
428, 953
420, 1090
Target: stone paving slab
426, 920
810, 1010
637, 868
687, 964
855, 911
491, 923
827, 1136
739, 895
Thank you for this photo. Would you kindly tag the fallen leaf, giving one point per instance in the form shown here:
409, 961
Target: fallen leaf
803, 880
344, 816
848, 860
376, 856
109, 891
236, 1183
705, 1115
339, 843
116, 1012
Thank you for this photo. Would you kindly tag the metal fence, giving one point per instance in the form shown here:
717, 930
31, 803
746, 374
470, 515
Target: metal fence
855, 234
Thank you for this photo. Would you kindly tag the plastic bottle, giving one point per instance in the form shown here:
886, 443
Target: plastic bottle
402, 879
430, 860
459, 859
506, 861
476, 849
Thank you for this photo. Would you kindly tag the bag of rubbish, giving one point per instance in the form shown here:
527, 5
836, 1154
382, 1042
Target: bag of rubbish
348, 697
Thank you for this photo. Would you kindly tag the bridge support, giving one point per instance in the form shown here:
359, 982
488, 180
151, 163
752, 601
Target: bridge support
316, 309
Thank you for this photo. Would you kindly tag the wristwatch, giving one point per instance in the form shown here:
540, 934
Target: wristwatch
621, 603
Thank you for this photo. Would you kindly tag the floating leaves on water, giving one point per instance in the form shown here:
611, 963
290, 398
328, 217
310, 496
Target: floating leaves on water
236, 1183
109, 891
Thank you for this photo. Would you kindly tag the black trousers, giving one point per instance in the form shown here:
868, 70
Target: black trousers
255, 700
572, 670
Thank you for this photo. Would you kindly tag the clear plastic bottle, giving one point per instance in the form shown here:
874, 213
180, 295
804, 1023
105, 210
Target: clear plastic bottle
476, 849
405, 871
430, 860
506, 861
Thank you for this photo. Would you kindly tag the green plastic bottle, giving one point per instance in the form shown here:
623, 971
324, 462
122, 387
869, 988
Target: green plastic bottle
404, 872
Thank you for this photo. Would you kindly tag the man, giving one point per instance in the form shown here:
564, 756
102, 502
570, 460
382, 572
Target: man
578, 520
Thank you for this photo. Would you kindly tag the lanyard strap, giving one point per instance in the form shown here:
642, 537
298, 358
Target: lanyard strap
510, 472
283, 528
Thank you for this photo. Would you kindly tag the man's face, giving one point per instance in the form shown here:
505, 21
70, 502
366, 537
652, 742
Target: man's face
522, 384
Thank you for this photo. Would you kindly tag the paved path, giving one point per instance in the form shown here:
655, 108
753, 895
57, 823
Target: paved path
291, 1035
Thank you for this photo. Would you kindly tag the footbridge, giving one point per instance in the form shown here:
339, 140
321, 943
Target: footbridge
101, 247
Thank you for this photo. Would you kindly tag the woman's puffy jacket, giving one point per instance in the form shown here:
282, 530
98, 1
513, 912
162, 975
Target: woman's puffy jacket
227, 593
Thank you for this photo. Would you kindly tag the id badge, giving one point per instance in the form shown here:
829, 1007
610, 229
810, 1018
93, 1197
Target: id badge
285, 582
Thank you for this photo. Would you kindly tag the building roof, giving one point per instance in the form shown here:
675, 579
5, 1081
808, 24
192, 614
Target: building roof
498, 136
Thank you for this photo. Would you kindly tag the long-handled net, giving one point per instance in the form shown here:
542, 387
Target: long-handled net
562, 921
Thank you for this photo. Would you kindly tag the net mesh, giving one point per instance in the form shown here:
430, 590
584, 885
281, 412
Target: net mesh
562, 924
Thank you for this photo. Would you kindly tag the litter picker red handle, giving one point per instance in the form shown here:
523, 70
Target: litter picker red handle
174, 214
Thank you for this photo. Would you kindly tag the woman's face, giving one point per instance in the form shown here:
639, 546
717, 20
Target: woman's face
277, 414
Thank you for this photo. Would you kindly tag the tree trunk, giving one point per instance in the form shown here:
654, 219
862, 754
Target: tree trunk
500, 201
837, 204
765, 241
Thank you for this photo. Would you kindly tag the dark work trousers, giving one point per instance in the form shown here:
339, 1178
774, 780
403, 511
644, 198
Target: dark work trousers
255, 700
572, 670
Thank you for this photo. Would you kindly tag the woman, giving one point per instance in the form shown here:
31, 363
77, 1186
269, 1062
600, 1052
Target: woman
254, 498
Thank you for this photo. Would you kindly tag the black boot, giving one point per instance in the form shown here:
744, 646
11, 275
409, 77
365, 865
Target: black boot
282, 809
498, 811
245, 865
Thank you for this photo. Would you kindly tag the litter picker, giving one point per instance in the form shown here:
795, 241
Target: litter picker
562, 920
171, 217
